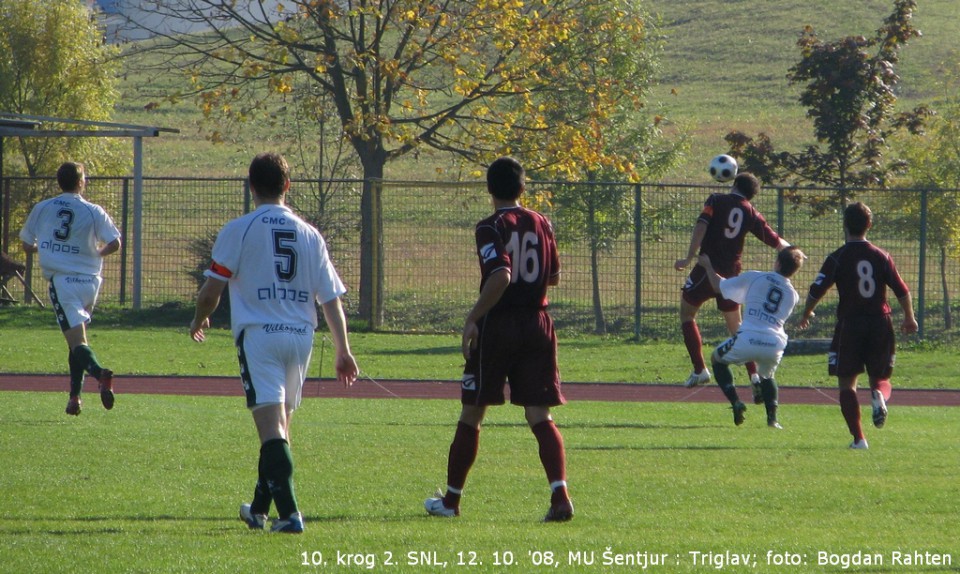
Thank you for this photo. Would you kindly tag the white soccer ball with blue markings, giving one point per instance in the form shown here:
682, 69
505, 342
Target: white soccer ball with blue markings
723, 168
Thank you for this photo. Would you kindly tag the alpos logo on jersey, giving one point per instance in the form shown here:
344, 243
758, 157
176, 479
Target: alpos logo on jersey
764, 316
57, 247
275, 292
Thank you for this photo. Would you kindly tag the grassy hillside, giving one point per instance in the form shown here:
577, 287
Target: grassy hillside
724, 67
725, 62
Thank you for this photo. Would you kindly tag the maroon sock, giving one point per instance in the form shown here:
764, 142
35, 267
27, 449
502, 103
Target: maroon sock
850, 407
883, 385
553, 457
691, 338
463, 451
751, 368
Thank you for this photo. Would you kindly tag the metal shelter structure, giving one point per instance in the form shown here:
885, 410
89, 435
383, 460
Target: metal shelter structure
20, 125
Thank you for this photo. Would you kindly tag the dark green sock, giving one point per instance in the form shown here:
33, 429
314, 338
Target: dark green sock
88, 359
721, 372
76, 374
261, 493
771, 397
278, 463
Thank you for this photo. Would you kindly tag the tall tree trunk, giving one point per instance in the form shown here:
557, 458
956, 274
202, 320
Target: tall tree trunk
600, 322
371, 240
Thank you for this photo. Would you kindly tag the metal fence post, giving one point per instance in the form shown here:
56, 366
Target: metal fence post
780, 214
137, 222
5, 214
637, 258
124, 218
922, 282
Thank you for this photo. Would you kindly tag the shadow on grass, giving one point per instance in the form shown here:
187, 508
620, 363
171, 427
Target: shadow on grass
167, 315
639, 426
79, 530
663, 447
406, 352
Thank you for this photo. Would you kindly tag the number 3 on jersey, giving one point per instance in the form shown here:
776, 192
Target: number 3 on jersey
66, 220
524, 257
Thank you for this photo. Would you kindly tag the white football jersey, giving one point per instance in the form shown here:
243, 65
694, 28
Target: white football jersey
66, 230
768, 298
277, 267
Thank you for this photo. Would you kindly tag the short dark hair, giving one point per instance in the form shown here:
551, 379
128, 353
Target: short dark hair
747, 184
505, 178
790, 260
269, 174
857, 218
70, 175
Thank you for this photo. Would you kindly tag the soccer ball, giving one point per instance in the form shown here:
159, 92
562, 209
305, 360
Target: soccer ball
723, 168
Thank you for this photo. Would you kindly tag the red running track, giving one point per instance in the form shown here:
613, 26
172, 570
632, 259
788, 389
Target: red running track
409, 389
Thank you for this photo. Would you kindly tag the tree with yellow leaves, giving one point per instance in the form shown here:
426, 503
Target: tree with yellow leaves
54, 62
469, 77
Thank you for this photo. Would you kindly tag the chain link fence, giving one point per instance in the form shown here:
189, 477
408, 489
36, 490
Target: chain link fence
618, 244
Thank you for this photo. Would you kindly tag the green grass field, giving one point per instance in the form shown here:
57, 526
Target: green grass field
154, 486
156, 342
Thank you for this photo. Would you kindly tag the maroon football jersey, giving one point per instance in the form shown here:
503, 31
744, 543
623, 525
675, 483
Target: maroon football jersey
862, 272
729, 217
522, 241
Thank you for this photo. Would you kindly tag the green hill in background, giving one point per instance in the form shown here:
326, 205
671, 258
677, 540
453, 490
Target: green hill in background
723, 68
725, 62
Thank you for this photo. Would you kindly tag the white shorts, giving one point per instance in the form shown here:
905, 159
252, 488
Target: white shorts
273, 363
73, 298
766, 349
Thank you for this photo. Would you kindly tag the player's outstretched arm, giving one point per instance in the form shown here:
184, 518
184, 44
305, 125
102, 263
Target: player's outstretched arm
347, 369
909, 324
712, 277
696, 239
808, 313
109, 248
492, 290
207, 300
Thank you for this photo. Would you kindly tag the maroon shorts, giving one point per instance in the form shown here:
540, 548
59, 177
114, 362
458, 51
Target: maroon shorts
518, 346
863, 343
697, 291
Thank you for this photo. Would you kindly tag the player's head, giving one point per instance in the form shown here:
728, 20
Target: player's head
746, 184
71, 176
269, 174
790, 260
857, 219
505, 178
